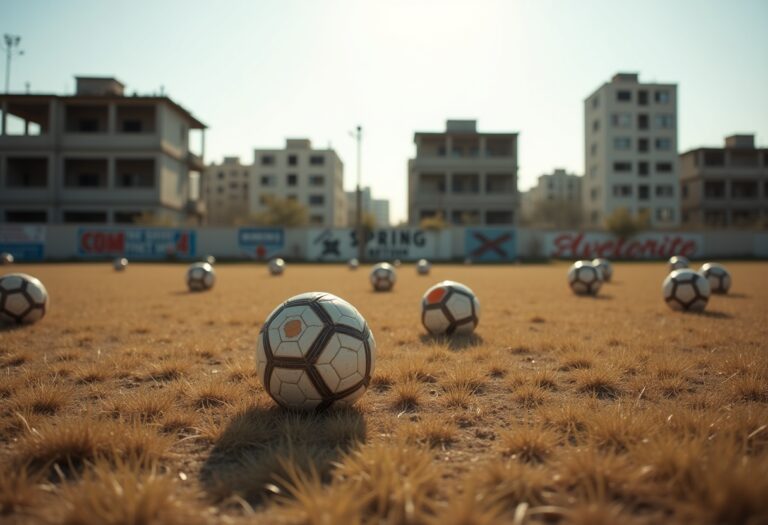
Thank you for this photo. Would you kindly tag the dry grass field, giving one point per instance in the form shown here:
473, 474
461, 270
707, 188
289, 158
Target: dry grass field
137, 402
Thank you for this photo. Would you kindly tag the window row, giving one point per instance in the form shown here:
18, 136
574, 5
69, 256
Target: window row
232, 173
643, 96
643, 144
81, 173
74, 216
643, 168
292, 179
736, 189
643, 191
268, 159
312, 200
642, 121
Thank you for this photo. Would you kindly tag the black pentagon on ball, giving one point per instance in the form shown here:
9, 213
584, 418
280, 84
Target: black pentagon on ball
443, 306
307, 362
686, 305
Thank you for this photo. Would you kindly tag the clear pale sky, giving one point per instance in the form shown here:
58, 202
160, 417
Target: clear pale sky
259, 71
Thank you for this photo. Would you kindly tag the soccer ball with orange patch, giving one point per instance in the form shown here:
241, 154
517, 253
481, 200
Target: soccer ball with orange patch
315, 351
450, 308
23, 299
383, 277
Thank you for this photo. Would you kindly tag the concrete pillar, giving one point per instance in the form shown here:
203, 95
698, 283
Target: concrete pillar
482, 147
4, 119
111, 175
111, 119
448, 146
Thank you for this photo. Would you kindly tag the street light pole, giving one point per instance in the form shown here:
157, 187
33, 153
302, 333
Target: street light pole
11, 44
361, 241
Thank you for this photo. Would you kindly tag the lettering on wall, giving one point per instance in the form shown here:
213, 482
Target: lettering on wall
652, 245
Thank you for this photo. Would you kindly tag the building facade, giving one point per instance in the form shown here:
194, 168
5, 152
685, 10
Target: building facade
630, 157
378, 208
725, 187
555, 198
463, 176
226, 192
98, 156
313, 177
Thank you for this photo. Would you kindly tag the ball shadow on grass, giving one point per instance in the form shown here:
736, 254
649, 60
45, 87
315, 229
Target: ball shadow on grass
453, 342
254, 455
10, 327
714, 314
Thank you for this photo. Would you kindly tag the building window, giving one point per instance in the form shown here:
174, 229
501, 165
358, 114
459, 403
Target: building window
642, 97
317, 160
316, 200
245, 174
593, 171
499, 217
132, 126
595, 125
267, 160
593, 149
622, 167
465, 183
684, 191
744, 190
642, 121
293, 160
663, 167
621, 120
663, 144
642, 169
220, 190
267, 180
595, 101
624, 95
31, 216
316, 180
622, 190
85, 173
714, 190
714, 158
642, 145
85, 216
665, 190
221, 175
715, 218
665, 121
665, 214
292, 179
594, 193
233, 185
661, 96
126, 217
27, 173
622, 143
643, 193
135, 173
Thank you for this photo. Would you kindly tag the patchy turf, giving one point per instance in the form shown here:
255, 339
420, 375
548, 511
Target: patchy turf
134, 401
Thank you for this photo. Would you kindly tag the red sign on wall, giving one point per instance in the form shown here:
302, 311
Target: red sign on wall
150, 243
577, 245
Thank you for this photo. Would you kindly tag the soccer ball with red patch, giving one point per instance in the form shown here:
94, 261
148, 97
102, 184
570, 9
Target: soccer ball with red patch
423, 267
6, 258
383, 277
604, 267
450, 308
678, 262
200, 277
23, 299
686, 290
276, 266
584, 278
120, 264
315, 351
719, 278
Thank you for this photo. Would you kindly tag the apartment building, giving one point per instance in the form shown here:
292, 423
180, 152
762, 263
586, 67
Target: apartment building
226, 191
313, 177
630, 157
378, 208
380, 211
725, 187
553, 192
464, 176
98, 156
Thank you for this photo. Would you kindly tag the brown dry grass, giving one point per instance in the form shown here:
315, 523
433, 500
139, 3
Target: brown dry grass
134, 401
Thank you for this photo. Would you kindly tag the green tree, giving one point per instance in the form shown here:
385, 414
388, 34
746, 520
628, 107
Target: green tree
434, 223
624, 225
281, 212
559, 213
148, 218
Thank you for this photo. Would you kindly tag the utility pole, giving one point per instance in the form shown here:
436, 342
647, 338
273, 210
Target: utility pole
11, 48
361, 241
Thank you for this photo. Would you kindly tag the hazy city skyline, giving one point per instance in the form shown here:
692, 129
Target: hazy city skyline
258, 73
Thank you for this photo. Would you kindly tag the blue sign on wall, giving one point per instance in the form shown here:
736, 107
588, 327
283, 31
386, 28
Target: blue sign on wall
490, 244
25, 243
261, 243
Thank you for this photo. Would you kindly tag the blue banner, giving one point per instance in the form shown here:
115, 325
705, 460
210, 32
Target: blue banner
25, 243
261, 243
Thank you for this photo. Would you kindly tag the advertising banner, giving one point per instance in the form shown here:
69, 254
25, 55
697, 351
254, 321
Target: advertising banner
25, 243
260, 243
138, 243
650, 245
381, 244
490, 244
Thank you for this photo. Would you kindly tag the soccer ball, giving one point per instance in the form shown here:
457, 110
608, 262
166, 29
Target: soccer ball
23, 299
200, 277
450, 308
685, 289
315, 351
277, 266
210, 259
353, 264
677, 262
396, 263
6, 258
719, 278
584, 278
120, 264
383, 277
423, 267
604, 267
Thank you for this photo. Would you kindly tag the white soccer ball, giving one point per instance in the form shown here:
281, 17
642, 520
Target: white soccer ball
423, 267
353, 263
120, 264
687, 290
677, 262
210, 259
584, 278
719, 278
276, 266
315, 351
6, 258
396, 263
383, 277
450, 308
23, 299
200, 277
604, 267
